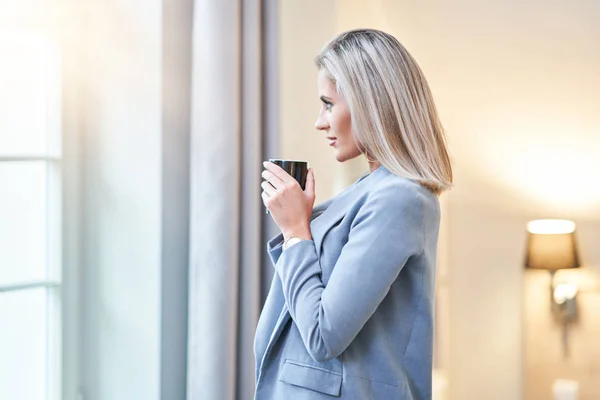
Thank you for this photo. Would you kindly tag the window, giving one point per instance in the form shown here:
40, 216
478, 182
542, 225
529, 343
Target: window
30, 215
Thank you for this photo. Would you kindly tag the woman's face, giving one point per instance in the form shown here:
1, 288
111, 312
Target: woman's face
334, 120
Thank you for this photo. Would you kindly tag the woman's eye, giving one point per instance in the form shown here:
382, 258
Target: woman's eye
328, 104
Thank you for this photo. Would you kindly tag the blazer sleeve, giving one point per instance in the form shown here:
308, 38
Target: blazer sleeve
386, 232
275, 244
275, 247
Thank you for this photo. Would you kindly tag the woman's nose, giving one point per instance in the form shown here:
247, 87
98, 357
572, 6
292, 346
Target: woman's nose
321, 124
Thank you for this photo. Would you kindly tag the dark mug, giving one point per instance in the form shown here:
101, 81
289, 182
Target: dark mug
297, 169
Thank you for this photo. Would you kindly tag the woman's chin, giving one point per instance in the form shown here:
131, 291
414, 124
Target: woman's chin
341, 156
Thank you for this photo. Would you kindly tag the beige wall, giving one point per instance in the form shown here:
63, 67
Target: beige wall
303, 31
517, 88
305, 26
544, 353
510, 78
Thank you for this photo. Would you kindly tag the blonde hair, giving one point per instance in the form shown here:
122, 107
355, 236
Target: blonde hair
394, 118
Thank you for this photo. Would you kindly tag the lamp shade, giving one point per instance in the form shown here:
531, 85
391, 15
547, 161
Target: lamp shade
551, 245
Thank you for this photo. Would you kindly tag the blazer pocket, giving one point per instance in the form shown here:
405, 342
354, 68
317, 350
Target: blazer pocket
313, 378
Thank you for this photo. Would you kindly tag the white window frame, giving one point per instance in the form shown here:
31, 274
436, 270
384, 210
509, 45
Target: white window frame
53, 282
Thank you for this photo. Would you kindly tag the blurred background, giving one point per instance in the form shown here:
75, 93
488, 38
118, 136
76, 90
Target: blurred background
132, 234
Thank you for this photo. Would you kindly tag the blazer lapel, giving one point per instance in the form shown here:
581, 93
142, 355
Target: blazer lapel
282, 320
338, 208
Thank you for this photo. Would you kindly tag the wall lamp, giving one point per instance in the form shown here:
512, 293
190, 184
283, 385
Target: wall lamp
551, 246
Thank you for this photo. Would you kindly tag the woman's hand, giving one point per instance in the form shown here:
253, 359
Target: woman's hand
289, 206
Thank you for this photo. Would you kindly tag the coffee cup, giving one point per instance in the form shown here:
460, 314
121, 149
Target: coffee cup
297, 169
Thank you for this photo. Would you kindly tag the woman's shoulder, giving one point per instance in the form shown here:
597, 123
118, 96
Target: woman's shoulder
396, 206
393, 190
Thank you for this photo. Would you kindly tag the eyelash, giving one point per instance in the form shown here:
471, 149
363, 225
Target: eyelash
328, 105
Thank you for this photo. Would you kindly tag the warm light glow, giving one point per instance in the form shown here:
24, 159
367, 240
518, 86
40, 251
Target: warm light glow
551, 226
549, 166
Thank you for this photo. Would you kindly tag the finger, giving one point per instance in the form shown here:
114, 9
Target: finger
268, 188
273, 179
310, 183
277, 171
265, 199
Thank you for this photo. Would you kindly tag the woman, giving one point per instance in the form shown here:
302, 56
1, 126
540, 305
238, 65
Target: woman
350, 310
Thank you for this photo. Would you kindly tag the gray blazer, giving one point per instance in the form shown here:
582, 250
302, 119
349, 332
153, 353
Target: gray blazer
350, 313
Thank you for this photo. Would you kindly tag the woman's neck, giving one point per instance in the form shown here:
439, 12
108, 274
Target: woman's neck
373, 166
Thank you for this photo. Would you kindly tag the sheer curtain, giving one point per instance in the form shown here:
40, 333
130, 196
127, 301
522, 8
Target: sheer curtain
233, 78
